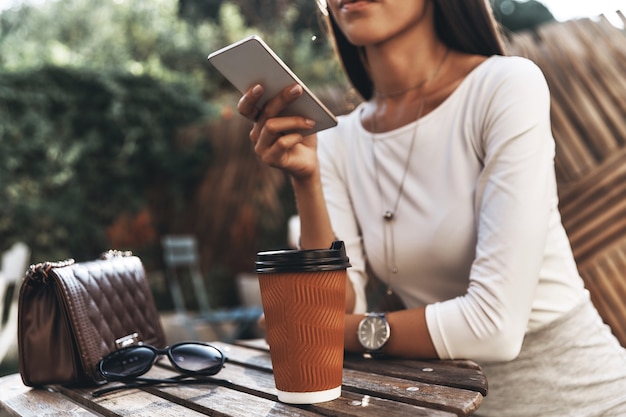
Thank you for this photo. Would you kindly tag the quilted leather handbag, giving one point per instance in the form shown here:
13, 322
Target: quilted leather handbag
72, 314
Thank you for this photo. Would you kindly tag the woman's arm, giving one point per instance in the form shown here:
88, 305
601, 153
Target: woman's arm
315, 228
516, 205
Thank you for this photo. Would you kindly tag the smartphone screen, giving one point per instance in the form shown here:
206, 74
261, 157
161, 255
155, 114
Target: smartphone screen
251, 61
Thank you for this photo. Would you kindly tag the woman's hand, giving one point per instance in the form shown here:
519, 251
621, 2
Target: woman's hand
276, 138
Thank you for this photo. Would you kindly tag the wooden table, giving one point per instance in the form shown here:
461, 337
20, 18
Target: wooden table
386, 387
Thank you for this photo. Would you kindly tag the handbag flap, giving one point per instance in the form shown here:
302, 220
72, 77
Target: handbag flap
107, 300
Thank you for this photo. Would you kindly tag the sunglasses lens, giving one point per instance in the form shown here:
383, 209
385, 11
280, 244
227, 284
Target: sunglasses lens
127, 363
193, 357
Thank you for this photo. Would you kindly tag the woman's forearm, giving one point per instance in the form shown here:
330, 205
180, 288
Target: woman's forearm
315, 229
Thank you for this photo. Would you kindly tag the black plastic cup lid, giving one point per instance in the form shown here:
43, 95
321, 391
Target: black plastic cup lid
308, 260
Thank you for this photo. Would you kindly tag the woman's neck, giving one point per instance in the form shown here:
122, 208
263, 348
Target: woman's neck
405, 61
401, 85
419, 86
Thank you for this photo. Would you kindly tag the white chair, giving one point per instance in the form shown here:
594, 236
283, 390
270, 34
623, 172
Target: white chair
14, 263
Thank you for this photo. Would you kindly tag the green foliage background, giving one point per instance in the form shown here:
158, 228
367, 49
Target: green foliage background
79, 148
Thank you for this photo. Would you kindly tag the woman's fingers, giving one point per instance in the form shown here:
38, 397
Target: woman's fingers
277, 104
276, 127
279, 152
273, 108
247, 105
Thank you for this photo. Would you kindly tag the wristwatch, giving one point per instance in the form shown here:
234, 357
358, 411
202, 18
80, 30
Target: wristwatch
373, 333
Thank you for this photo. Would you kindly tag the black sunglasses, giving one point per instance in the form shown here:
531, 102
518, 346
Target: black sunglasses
191, 359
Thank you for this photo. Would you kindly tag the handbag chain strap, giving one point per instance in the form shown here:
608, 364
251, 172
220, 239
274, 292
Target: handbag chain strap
41, 270
113, 253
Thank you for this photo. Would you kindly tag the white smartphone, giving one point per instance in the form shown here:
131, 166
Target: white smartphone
251, 61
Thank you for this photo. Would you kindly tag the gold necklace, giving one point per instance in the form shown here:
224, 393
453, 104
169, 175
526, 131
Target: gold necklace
390, 215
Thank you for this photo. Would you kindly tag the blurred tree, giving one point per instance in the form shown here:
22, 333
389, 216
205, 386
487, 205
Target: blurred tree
140, 37
82, 153
260, 14
521, 15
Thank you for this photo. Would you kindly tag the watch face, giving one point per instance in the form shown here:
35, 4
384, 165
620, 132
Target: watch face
373, 332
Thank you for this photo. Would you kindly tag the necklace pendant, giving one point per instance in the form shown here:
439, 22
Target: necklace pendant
394, 270
388, 215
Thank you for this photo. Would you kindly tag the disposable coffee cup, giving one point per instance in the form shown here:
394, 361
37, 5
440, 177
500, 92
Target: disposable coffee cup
303, 295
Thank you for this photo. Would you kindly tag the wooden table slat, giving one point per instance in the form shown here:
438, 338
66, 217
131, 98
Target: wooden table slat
130, 402
20, 400
454, 400
351, 404
223, 402
432, 372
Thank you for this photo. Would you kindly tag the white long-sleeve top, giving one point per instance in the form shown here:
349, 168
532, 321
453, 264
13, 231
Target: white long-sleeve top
477, 233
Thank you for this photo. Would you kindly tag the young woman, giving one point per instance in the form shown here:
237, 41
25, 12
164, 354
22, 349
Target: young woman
442, 182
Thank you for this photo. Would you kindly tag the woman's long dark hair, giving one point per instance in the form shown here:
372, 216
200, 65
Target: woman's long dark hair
464, 25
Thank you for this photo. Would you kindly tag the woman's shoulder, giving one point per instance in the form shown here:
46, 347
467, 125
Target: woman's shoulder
505, 78
509, 67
